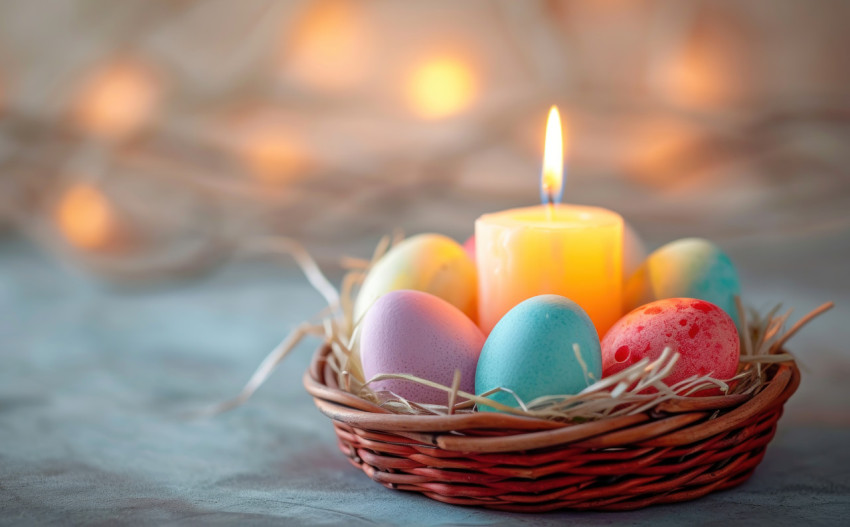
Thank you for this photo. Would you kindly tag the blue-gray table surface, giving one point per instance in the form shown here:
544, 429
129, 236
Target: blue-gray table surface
94, 382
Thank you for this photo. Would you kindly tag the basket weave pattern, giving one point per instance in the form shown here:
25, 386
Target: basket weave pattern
681, 450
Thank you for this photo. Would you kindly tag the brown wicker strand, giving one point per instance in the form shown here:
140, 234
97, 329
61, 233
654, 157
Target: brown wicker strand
681, 450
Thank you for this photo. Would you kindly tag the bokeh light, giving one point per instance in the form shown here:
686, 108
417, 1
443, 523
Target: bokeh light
274, 154
659, 153
85, 217
331, 48
710, 67
440, 87
117, 100
692, 79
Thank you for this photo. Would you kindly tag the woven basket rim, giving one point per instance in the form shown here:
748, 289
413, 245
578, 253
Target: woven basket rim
678, 423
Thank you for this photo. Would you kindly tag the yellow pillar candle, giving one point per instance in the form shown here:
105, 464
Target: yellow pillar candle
569, 250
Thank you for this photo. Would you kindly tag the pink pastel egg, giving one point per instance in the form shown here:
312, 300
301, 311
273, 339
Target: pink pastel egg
423, 335
703, 334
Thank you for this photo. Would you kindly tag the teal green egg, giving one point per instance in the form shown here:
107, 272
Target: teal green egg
686, 268
530, 352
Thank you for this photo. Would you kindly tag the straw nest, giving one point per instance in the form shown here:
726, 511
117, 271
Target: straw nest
624, 393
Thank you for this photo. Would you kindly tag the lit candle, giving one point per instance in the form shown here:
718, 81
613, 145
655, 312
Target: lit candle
569, 250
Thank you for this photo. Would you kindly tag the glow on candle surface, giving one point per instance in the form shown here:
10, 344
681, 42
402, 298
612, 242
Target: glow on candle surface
570, 250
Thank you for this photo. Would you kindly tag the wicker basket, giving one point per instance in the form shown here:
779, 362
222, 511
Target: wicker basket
682, 450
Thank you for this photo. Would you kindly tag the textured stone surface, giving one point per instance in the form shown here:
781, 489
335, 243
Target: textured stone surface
94, 383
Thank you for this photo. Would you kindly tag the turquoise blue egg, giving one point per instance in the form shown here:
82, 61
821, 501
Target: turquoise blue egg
686, 268
530, 351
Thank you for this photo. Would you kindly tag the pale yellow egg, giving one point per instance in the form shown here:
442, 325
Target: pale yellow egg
432, 263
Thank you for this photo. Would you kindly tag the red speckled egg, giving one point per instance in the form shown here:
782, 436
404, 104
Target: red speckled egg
703, 334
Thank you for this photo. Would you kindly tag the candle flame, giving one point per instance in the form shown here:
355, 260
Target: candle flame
552, 178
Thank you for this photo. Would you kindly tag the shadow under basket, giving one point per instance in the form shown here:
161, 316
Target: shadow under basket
679, 451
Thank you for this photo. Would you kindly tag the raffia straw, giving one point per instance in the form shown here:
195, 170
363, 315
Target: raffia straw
742, 318
588, 375
265, 369
623, 393
312, 272
638, 388
353, 264
453, 393
799, 325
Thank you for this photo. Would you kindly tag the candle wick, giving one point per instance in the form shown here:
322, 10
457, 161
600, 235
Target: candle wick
549, 202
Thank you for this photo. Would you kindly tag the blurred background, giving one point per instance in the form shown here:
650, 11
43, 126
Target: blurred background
147, 139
